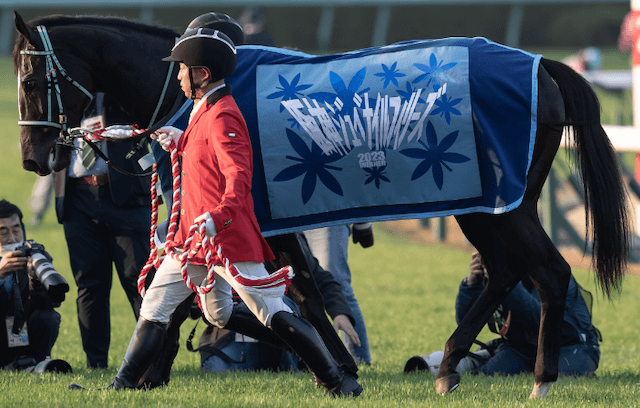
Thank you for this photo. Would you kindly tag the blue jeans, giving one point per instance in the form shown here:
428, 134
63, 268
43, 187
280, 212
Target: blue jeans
330, 245
574, 360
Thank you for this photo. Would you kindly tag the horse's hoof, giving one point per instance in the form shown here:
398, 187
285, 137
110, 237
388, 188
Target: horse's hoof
540, 390
446, 385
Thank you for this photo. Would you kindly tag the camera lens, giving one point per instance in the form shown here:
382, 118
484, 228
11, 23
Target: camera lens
55, 284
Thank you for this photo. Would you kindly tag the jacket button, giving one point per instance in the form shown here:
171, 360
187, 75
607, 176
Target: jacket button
183, 192
182, 211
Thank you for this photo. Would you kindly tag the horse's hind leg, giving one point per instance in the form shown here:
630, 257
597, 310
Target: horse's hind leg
527, 250
512, 244
548, 271
550, 274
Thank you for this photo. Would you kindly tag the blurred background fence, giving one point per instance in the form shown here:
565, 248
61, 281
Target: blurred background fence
340, 25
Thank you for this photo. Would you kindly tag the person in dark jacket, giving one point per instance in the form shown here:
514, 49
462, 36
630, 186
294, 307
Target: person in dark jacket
579, 352
32, 324
106, 216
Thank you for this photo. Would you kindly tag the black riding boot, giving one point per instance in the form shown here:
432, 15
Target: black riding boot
159, 371
305, 341
246, 323
146, 342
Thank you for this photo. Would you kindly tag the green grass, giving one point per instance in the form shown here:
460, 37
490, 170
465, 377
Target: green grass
406, 291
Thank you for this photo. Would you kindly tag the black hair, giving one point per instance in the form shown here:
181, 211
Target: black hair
7, 210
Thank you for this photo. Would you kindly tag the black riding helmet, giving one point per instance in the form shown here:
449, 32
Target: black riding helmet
220, 22
207, 48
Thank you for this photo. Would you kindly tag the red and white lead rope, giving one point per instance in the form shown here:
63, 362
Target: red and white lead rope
154, 259
273, 285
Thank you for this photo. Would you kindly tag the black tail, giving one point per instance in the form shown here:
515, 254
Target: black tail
605, 195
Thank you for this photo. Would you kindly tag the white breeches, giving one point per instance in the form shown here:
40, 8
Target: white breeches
168, 290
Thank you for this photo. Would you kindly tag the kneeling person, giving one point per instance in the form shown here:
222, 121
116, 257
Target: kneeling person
518, 322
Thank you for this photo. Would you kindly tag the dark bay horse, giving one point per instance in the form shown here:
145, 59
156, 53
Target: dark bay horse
123, 59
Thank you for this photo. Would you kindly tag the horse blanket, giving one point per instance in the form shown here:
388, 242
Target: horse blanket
417, 129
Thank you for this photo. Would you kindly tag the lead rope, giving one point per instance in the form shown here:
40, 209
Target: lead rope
273, 285
154, 259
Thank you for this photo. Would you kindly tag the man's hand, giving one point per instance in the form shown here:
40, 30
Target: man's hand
342, 322
167, 134
363, 233
477, 271
208, 224
11, 262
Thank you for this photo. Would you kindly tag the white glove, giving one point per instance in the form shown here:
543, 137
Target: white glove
119, 132
208, 224
165, 135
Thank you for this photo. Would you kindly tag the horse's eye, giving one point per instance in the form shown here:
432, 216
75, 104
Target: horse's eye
29, 84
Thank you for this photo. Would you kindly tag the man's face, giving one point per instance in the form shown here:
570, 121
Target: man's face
199, 74
183, 77
10, 230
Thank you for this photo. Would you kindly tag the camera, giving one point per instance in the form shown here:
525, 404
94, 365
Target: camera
54, 283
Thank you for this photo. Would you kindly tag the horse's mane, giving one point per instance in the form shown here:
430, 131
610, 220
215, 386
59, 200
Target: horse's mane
114, 22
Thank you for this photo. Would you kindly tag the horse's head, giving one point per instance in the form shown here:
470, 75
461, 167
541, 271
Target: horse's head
48, 100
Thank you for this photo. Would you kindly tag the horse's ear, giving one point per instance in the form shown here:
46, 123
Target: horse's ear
24, 29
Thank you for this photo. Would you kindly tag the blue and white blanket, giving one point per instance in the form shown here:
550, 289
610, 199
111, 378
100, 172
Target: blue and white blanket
416, 129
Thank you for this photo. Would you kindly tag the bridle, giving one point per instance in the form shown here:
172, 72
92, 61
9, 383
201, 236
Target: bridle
53, 69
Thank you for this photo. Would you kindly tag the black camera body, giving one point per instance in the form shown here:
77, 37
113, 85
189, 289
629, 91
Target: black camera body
54, 283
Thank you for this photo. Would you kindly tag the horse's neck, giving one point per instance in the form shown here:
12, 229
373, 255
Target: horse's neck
137, 80
131, 71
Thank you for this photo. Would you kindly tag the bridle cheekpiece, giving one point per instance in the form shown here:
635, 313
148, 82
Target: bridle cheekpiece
53, 68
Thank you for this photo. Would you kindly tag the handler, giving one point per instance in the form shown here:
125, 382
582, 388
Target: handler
216, 181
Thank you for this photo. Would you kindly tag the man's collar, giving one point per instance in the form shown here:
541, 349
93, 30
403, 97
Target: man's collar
213, 95
217, 93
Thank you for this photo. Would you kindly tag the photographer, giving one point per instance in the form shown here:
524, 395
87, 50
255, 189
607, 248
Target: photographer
517, 321
27, 285
579, 349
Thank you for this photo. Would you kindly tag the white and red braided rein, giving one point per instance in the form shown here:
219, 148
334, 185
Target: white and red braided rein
275, 284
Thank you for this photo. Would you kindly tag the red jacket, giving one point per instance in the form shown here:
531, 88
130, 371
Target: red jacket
217, 166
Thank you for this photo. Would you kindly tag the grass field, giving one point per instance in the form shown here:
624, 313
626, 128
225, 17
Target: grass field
406, 291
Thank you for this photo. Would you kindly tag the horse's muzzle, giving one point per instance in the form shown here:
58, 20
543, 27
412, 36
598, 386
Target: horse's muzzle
31, 165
